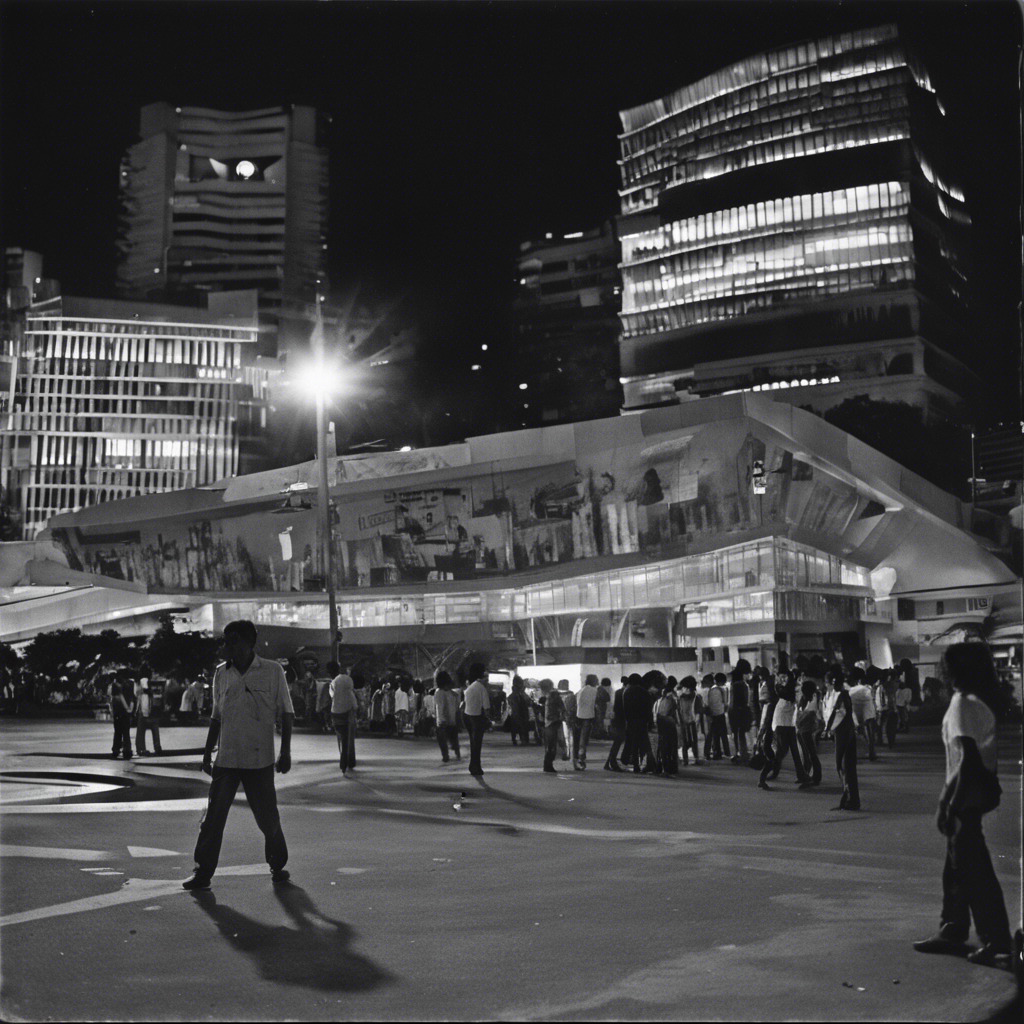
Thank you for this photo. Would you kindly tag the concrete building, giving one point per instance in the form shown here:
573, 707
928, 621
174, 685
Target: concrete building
649, 536
793, 223
111, 399
565, 330
219, 200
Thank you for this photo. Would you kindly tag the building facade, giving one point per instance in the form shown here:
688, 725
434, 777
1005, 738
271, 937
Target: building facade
113, 399
637, 537
565, 330
793, 220
222, 200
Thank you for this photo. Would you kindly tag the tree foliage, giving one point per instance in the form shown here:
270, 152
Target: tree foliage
180, 656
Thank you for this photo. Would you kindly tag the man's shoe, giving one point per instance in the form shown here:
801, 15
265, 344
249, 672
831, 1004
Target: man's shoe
548, 768
196, 883
280, 876
806, 784
989, 956
938, 944
142, 753
764, 785
611, 767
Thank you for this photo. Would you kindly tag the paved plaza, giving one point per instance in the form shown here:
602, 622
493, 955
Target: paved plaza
418, 892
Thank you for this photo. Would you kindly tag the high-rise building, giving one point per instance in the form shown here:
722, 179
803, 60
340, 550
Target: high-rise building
792, 222
113, 399
215, 200
565, 329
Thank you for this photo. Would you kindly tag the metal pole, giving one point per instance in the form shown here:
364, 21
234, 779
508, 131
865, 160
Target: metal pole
533, 640
974, 483
324, 500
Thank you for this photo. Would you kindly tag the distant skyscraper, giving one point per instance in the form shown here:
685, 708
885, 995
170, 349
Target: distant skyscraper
216, 200
113, 399
792, 222
565, 330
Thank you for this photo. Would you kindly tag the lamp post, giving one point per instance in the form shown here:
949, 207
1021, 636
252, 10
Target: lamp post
320, 384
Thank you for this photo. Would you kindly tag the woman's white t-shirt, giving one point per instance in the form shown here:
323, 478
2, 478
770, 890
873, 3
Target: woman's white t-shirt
968, 715
785, 715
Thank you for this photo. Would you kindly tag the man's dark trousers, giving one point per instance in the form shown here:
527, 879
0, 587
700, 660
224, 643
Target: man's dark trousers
258, 784
448, 734
476, 725
551, 744
122, 736
970, 887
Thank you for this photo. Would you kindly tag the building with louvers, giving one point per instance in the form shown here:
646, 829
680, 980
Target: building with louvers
793, 223
217, 200
112, 399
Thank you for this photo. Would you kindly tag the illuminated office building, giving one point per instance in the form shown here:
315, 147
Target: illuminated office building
566, 329
789, 205
226, 200
113, 399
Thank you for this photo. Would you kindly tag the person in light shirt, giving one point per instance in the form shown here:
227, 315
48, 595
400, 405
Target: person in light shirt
476, 704
863, 702
343, 709
249, 692
840, 725
784, 731
970, 887
586, 712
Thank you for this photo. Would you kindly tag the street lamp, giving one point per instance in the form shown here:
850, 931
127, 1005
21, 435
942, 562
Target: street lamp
320, 379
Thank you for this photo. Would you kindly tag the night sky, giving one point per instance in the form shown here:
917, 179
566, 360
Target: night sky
458, 130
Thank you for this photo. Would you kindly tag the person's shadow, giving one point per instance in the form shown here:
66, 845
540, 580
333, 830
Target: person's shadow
314, 954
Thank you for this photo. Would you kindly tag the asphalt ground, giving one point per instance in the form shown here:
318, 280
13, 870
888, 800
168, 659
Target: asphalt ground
576, 896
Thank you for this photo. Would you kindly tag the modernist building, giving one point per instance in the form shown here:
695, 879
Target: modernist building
114, 398
639, 537
792, 222
566, 329
219, 200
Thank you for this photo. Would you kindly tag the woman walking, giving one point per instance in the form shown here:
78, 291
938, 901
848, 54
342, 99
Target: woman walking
840, 726
784, 729
764, 733
807, 726
689, 711
519, 713
969, 884
666, 711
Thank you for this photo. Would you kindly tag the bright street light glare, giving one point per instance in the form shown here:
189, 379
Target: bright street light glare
319, 378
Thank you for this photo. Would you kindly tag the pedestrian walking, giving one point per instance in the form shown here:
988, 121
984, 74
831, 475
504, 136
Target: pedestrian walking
120, 715
715, 705
889, 687
765, 733
739, 709
689, 713
401, 707
554, 716
476, 704
784, 729
904, 695
192, 701
446, 715
342, 695
249, 693
586, 716
638, 708
519, 712
602, 709
617, 728
808, 709
570, 726
145, 720
970, 887
666, 711
840, 726
863, 702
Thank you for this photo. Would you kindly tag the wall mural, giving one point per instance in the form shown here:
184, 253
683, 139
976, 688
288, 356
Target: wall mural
641, 497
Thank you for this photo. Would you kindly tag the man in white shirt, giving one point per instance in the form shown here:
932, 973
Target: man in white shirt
401, 707
476, 704
863, 707
248, 694
343, 708
586, 701
145, 720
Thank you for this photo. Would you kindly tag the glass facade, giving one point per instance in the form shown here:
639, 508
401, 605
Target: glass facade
741, 583
716, 226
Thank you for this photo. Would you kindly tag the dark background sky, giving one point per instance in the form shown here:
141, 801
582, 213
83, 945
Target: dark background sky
459, 129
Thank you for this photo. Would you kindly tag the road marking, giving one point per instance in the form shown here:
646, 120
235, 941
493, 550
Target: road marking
133, 890
197, 803
55, 853
29, 788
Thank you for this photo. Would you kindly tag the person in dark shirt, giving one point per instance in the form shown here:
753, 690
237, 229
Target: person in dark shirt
637, 707
618, 728
739, 709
